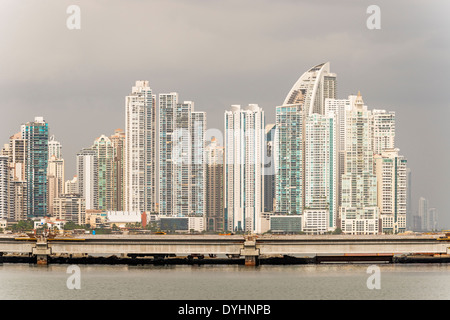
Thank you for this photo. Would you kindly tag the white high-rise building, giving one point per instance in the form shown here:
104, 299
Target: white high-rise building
214, 156
339, 107
383, 130
4, 187
359, 212
423, 214
320, 167
198, 166
54, 148
71, 186
140, 149
432, 220
56, 180
182, 167
167, 106
269, 169
244, 165
18, 177
409, 209
87, 174
390, 169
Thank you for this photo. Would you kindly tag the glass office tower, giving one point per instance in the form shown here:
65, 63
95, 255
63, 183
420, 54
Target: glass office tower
36, 135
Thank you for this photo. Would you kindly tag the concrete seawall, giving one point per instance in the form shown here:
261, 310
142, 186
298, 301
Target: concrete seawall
285, 260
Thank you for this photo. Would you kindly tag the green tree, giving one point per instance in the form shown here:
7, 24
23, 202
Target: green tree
23, 225
70, 225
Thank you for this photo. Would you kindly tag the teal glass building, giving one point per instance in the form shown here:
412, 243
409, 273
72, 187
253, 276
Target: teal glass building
36, 135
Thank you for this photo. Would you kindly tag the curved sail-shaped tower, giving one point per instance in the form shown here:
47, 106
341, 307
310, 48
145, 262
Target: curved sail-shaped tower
304, 107
312, 88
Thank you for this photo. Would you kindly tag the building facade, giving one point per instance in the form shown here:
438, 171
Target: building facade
87, 177
70, 207
359, 212
269, 169
214, 186
105, 153
55, 179
382, 124
4, 187
36, 135
244, 154
17, 154
320, 183
140, 149
182, 166
289, 159
118, 179
390, 168
306, 98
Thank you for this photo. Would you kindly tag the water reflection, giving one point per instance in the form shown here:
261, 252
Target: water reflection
326, 281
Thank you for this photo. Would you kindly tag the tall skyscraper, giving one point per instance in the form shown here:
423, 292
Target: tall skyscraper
167, 107
313, 88
359, 212
17, 153
198, 166
36, 135
409, 208
423, 214
214, 186
140, 149
289, 159
118, 142
244, 154
87, 175
390, 168
105, 162
339, 107
182, 171
17, 157
320, 168
4, 187
383, 130
269, 169
55, 180
54, 148
432, 220
307, 97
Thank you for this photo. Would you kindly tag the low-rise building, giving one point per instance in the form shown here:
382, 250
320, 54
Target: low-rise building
286, 223
122, 218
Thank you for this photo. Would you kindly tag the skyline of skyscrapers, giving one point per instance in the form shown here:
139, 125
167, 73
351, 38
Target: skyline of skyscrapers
330, 162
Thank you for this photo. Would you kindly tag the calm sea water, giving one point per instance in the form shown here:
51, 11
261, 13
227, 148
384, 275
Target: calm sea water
207, 282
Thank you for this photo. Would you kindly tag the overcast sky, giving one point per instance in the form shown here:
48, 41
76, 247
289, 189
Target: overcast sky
219, 53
